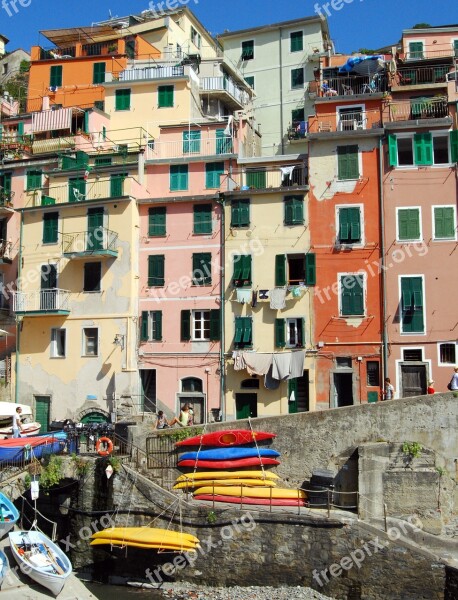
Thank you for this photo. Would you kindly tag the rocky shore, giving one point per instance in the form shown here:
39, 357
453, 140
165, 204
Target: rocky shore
189, 592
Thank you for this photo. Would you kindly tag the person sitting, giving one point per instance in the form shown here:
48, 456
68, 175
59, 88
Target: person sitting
183, 419
161, 421
328, 91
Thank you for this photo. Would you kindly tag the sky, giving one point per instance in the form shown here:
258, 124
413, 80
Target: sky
358, 23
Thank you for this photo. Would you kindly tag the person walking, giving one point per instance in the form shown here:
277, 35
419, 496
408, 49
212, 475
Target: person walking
453, 385
388, 392
17, 423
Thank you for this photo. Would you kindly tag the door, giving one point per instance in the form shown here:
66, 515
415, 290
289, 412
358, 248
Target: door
246, 405
196, 403
48, 295
42, 411
298, 394
148, 383
343, 389
94, 229
413, 380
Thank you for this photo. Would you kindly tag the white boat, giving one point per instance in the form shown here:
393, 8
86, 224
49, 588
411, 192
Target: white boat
9, 515
4, 566
40, 559
7, 410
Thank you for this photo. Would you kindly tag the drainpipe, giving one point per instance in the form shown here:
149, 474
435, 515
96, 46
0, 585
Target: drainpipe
222, 398
383, 265
281, 92
18, 324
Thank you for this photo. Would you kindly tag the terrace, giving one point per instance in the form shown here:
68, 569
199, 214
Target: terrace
42, 303
348, 85
224, 88
99, 242
417, 109
345, 120
265, 177
193, 145
420, 76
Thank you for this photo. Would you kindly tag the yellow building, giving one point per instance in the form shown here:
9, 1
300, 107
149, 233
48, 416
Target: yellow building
269, 279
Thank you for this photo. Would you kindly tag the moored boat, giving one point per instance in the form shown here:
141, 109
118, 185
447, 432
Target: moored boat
18, 449
9, 515
4, 566
7, 410
41, 559
223, 439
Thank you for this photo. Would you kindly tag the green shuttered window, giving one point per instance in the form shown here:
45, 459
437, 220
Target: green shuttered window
202, 269
50, 225
444, 223
224, 143
280, 270
412, 305
240, 213
185, 325
423, 148
165, 96
408, 224
215, 325
310, 269
352, 295
297, 41
191, 142
117, 185
297, 78
179, 176
34, 180
98, 75
55, 76
393, 150
348, 162
280, 333
248, 50
213, 172
243, 337
256, 179
294, 210
157, 221
349, 225
242, 270
416, 50
156, 270
202, 219
122, 101
151, 326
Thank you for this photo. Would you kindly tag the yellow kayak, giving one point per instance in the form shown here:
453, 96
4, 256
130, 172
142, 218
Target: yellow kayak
145, 535
130, 544
251, 492
183, 485
211, 475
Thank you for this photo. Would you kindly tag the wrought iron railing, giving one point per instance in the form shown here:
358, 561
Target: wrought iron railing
43, 301
99, 239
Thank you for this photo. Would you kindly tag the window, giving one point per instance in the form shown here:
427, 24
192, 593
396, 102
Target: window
202, 269
117, 185
242, 270
296, 41
76, 189
289, 333
55, 77
352, 118
58, 338
444, 223
224, 143
412, 315
90, 341
344, 362
416, 50
297, 78
448, 353
440, 150
192, 385
294, 210
99, 105
348, 162
201, 325
240, 213
412, 355
423, 149
102, 161
122, 99
352, 295
409, 228
455, 48
156, 270
191, 142
151, 328
213, 172
5, 182
243, 332
250, 80
202, 219
98, 75
349, 225
250, 384
196, 38
403, 149
34, 180
256, 178
178, 178
157, 221
373, 373
92, 276
294, 269
248, 50
165, 96
297, 115
50, 227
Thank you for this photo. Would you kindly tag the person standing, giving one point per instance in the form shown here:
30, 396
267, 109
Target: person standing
431, 389
453, 385
388, 392
17, 423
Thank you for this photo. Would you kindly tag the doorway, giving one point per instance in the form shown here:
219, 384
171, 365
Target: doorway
148, 385
48, 296
413, 380
343, 389
42, 412
246, 405
298, 394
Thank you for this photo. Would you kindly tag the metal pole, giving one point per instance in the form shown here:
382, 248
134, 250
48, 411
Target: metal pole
329, 504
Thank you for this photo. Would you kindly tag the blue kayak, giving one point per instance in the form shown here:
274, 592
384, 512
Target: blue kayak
229, 454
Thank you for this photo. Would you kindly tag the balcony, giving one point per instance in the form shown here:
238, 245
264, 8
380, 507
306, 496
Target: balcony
345, 121
54, 145
192, 148
420, 76
147, 73
264, 178
43, 303
417, 109
6, 201
427, 54
100, 243
224, 88
357, 85
6, 249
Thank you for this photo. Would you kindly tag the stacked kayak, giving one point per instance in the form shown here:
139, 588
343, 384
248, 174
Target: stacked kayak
226, 478
224, 439
146, 538
227, 458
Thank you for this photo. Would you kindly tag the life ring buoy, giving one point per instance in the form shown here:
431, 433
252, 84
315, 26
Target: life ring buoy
104, 441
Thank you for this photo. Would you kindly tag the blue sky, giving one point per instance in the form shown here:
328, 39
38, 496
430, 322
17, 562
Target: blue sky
360, 23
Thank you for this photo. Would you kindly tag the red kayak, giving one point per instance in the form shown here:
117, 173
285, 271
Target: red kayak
254, 461
245, 500
223, 439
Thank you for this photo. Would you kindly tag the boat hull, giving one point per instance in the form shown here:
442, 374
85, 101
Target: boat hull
29, 430
224, 439
9, 515
145, 537
4, 566
10, 452
44, 562
251, 501
228, 475
188, 485
229, 464
230, 454
242, 491
132, 544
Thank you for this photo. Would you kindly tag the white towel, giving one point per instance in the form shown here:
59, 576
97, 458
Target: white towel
281, 368
277, 298
257, 364
244, 295
297, 364
287, 172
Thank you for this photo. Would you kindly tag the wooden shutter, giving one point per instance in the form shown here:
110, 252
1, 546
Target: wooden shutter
166, 96
280, 270
348, 162
202, 218
423, 148
246, 269
191, 142
352, 296
412, 305
157, 221
393, 150
156, 270
55, 79
454, 145
239, 324
157, 325
289, 212
244, 213
215, 325
50, 225
99, 73
122, 100
238, 266
280, 333
256, 179
301, 325
310, 269
409, 224
247, 330
144, 327
201, 268
444, 222
20, 130
297, 41
33, 180
185, 325
117, 185
178, 178
213, 173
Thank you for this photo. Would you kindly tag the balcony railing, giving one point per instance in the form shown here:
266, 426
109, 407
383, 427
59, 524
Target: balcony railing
427, 53
99, 242
45, 301
219, 84
417, 109
139, 74
6, 199
212, 146
56, 53
288, 177
53, 145
421, 75
349, 86
6, 250
345, 121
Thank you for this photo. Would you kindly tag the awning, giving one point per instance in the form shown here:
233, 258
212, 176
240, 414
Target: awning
52, 120
364, 65
83, 35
